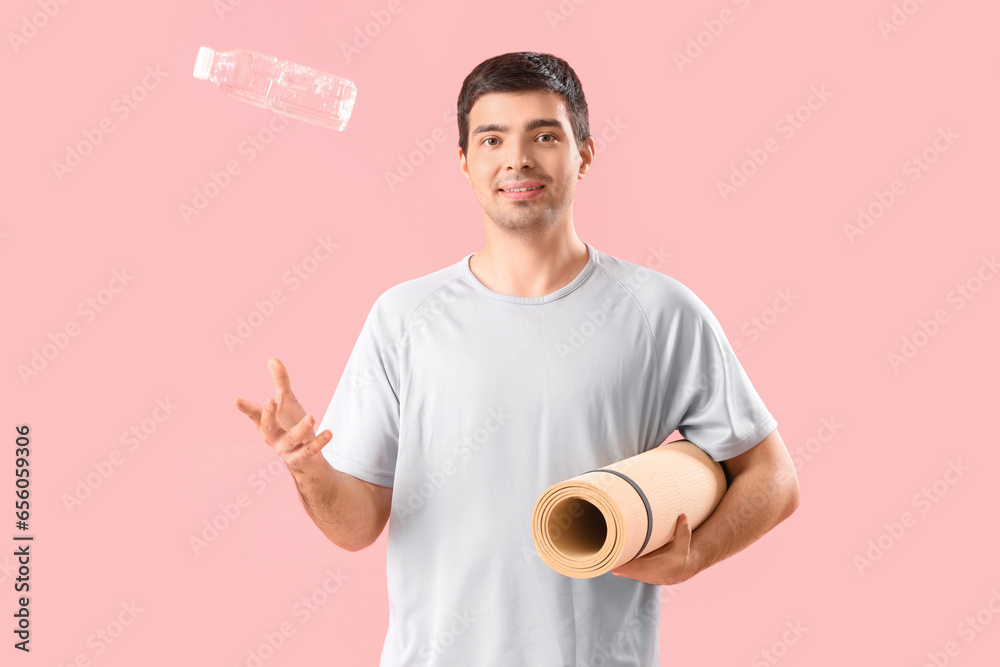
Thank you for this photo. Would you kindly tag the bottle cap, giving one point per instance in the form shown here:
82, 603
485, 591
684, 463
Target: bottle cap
203, 64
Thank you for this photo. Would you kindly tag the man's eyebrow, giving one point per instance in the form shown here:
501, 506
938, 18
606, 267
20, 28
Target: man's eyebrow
528, 127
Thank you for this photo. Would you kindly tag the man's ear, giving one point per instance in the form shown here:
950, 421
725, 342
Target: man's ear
463, 165
587, 155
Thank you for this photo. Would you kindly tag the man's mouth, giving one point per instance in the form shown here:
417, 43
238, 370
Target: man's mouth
537, 187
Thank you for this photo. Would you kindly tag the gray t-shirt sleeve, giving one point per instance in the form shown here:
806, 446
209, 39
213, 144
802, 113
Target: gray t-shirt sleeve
711, 400
363, 415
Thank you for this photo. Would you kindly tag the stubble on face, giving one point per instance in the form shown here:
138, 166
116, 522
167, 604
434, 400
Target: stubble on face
527, 217
557, 171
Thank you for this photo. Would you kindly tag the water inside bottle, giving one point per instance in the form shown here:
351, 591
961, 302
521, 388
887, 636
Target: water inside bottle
315, 97
247, 76
290, 89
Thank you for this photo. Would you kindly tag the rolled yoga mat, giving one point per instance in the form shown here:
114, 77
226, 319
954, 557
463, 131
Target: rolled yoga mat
603, 518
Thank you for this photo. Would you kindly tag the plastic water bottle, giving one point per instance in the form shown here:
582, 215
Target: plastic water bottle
293, 90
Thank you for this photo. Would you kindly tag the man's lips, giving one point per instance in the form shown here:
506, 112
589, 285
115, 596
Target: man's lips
514, 185
517, 191
523, 194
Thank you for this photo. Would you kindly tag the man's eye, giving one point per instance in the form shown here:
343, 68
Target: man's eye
552, 136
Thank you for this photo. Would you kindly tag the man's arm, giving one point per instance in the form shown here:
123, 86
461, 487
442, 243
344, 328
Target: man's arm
351, 512
763, 492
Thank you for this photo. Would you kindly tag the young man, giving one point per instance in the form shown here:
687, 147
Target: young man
473, 389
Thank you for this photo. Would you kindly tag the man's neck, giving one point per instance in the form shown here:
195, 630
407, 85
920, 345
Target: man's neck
529, 268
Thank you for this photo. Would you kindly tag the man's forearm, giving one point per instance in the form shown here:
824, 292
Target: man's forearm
757, 500
337, 503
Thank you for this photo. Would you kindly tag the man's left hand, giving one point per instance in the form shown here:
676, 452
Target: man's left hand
672, 563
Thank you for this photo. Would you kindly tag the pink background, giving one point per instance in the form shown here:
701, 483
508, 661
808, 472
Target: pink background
670, 134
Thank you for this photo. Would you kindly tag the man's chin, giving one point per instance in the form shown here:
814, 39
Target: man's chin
519, 223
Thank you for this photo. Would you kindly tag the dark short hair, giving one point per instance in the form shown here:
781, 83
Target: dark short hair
523, 71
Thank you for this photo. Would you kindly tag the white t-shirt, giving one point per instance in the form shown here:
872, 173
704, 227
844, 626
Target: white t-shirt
470, 403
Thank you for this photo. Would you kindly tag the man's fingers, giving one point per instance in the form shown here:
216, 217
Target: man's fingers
268, 422
302, 430
684, 528
279, 375
249, 408
313, 445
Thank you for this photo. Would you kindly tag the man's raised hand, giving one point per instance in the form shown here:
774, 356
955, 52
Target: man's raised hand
286, 427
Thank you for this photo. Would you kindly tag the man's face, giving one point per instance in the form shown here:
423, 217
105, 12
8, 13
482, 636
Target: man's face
502, 152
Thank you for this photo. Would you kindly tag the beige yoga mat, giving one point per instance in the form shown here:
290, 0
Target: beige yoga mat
600, 519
